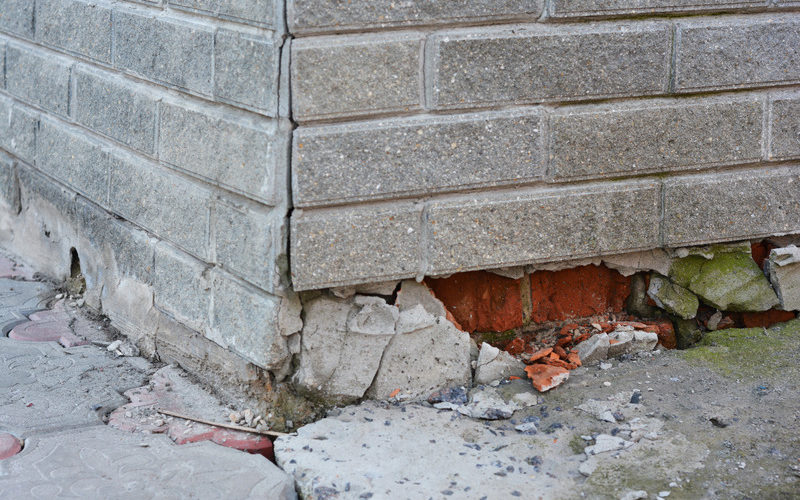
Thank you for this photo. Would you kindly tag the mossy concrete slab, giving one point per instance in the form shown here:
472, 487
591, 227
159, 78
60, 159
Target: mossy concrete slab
729, 281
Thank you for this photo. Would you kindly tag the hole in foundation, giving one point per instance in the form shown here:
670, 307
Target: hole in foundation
76, 284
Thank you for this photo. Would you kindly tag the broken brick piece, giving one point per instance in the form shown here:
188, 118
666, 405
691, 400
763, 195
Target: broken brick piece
545, 377
9, 445
540, 354
516, 347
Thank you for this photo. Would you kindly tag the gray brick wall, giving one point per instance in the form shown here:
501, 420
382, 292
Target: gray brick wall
391, 139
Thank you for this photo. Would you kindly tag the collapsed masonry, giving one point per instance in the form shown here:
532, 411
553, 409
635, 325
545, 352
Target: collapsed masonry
233, 180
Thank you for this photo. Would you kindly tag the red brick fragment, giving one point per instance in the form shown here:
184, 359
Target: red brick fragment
545, 377
516, 347
9, 445
540, 354
766, 319
577, 293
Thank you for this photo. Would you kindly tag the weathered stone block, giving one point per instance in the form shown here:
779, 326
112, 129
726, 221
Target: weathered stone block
501, 230
355, 245
477, 67
79, 26
593, 8
182, 287
261, 12
165, 50
333, 15
232, 150
729, 281
247, 242
246, 70
734, 206
9, 183
358, 75
783, 267
18, 130
72, 157
244, 320
785, 128
658, 137
51, 74
117, 108
672, 297
385, 159
751, 51
167, 204
17, 17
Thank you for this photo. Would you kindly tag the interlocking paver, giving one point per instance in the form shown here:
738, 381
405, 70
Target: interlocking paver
44, 387
101, 462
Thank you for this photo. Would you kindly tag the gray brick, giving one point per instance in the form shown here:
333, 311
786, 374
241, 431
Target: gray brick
72, 157
117, 108
385, 159
75, 25
513, 228
539, 63
50, 73
594, 8
733, 206
246, 70
163, 50
244, 321
737, 52
165, 203
182, 287
355, 244
341, 76
785, 127
655, 137
335, 15
232, 150
247, 241
260, 12
9, 183
18, 130
16, 16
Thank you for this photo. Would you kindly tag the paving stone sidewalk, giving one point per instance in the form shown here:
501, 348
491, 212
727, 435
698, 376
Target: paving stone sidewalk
58, 384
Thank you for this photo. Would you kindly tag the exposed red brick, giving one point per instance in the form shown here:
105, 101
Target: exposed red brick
577, 293
765, 319
545, 377
480, 301
516, 347
760, 252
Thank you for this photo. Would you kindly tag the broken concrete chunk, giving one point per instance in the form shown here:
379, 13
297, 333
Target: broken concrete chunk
376, 317
494, 364
335, 362
730, 280
672, 298
783, 268
604, 443
595, 348
631, 263
420, 362
413, 319
412, 293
